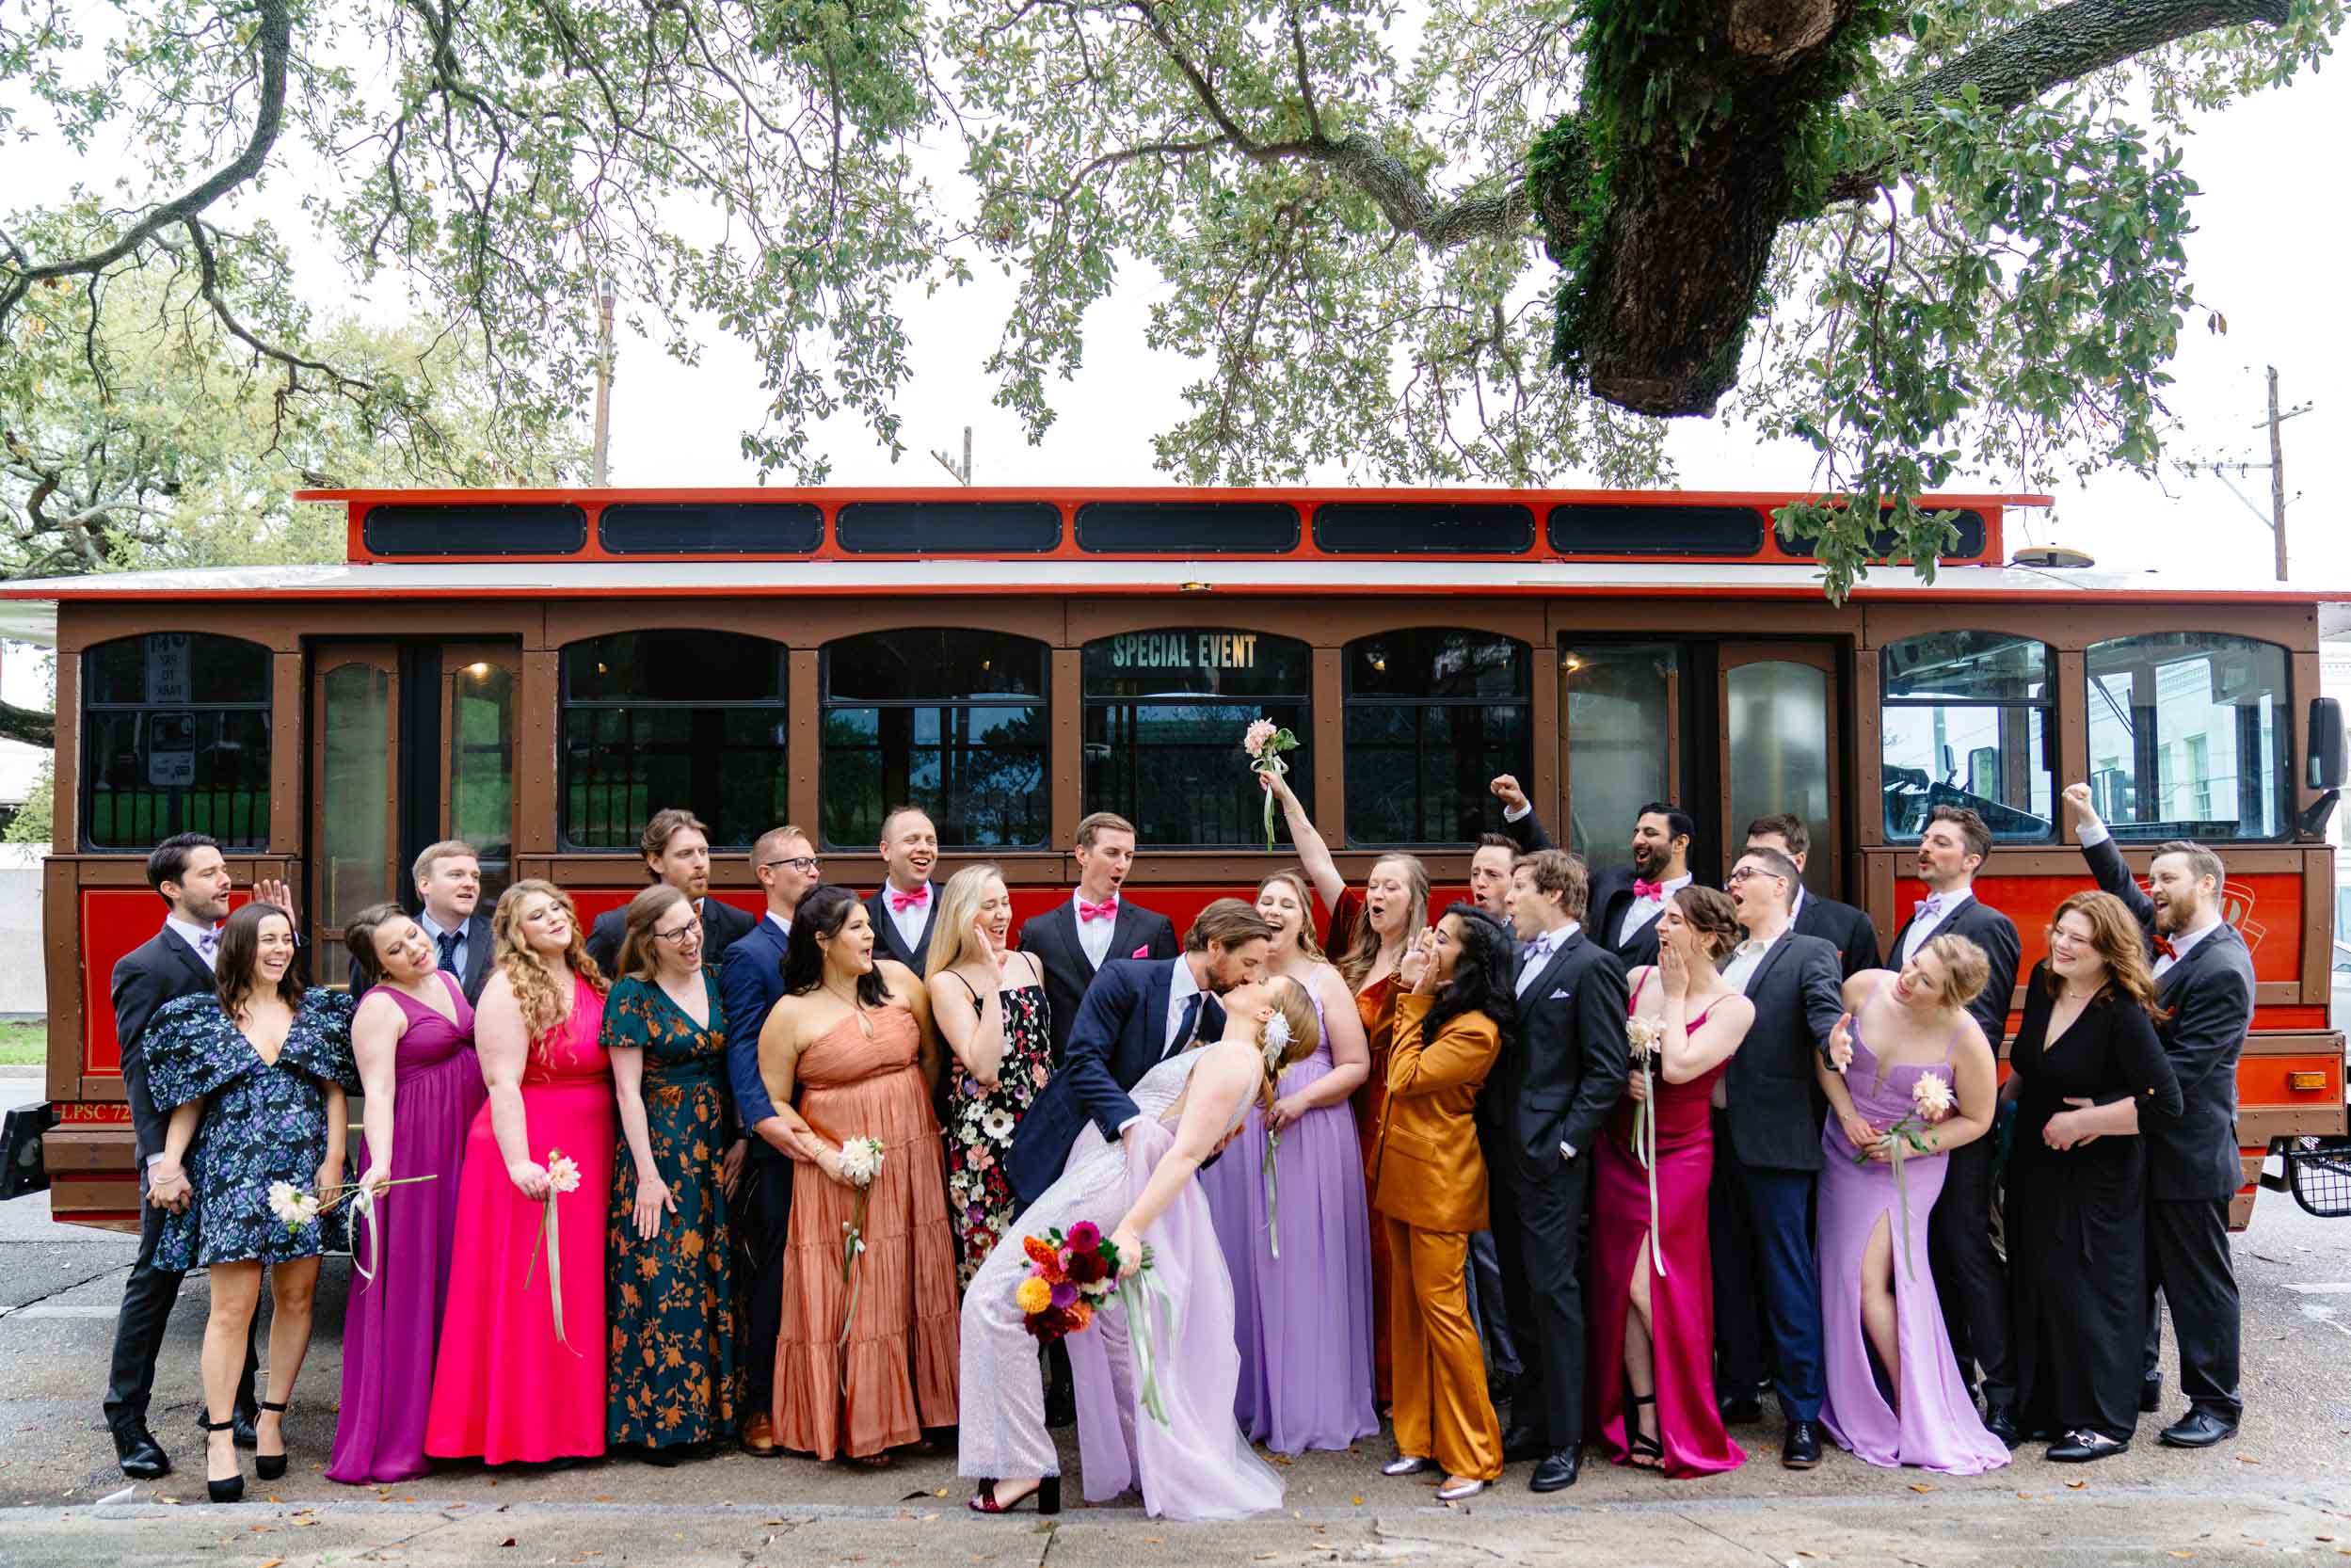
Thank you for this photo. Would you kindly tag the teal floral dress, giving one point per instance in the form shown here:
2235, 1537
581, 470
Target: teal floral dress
263, 1123
670, 1301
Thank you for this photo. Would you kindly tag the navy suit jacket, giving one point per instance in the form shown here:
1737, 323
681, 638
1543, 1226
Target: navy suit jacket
1604, 908
1119, 1035
750, 981
1798, 993
160, 970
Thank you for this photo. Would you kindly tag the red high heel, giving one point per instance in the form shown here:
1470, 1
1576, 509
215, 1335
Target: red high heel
1047, 1492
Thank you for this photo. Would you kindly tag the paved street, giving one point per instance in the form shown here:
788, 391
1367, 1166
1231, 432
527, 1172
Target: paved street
2283, 1489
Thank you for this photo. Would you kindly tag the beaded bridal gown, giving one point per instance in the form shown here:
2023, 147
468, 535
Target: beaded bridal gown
1197, 1466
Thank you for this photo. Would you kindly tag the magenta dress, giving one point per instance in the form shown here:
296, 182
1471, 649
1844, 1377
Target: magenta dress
392, 1325
504, 1386
1681, 1301
1303, 1320
1935, 1427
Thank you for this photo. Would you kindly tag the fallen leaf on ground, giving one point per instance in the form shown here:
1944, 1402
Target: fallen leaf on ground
508, 1542
1920, 1486
1358, 1501
272, 1562
2076, 1485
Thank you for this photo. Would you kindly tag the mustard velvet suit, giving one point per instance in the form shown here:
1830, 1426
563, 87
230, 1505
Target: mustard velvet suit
1429, 1184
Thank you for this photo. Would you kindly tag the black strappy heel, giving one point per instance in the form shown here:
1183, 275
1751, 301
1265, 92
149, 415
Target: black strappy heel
232, 1490
1638, 1444
1048, 1493
271, 1466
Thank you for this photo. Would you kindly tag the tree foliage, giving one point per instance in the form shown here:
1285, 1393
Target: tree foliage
1484, 240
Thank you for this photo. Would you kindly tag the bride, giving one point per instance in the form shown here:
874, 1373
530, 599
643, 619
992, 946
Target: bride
1197, 1464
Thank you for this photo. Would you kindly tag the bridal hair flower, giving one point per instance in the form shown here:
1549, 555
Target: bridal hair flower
1275, 1039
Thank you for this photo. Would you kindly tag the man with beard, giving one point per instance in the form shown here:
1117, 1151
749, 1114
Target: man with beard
1074, 939
902, 906
2205, 977
1626, 900
1138, 1011
677, 849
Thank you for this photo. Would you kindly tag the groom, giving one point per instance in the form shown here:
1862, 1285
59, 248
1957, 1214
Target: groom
1137, 1012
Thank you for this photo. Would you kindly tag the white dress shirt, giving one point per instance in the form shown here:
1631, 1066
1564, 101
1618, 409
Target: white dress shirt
434, 930
1643, 910
781, 924
913, 921
202, 940
1179, 989
1744, 960
1534, 955
1093, 935
1922, 923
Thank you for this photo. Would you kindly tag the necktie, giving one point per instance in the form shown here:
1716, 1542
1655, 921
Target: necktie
1190, 1021
1106, 910
449, 940
1648, 892
2163, 947
899, 903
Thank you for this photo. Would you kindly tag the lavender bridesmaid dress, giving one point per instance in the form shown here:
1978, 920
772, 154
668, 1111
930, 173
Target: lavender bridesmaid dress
1933, 1424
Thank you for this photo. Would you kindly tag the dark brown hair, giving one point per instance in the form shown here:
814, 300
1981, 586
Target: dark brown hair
240, 948
1972, 832
1789, 826
359, 935
1226, 922
1713, 916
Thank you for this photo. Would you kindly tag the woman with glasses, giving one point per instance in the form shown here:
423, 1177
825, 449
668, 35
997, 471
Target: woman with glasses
2085, 1062
675, 1383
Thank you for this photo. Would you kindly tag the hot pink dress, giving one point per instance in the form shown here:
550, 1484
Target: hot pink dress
504, 1386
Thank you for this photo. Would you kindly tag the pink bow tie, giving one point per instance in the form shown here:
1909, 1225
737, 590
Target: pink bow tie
899, 903
1652, 891
1106, 910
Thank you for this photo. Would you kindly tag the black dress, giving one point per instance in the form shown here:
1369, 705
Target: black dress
2076, 1219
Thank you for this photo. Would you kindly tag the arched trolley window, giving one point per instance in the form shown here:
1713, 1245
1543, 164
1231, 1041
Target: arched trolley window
1432, 716
952, 721
175, 739
1164, 716
2188, 737
1968, 718
672, 717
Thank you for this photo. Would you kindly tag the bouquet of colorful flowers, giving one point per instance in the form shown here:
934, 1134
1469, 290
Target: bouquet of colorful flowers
1644, 1039
562, 1176
1931, 1101
1265, 742
1070, 1276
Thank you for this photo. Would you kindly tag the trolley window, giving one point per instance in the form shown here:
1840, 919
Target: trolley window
1969, 719
1592, 529
948, 528
1966, 544
175, 739
413, 528
2186, 737
672, 717
952, 721
1187, 527
726, 528
1432, 716
1422, 528
1164, 716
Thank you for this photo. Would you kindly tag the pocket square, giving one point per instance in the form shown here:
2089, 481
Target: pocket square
1142, 951
1559, 995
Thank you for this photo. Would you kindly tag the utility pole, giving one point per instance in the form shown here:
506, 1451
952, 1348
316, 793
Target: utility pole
602, 450
2276, 521
963, 474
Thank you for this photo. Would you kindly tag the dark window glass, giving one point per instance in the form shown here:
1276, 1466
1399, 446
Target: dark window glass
1596, 530
946, 527
953, 722
654, 719
716, 528
1432, 716
1970, 543
175, 739
1187, 527
410, 528
1164, 716
1413, 528
1968, 718
2188, 737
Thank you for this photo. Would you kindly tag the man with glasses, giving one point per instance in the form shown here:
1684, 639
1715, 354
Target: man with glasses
750, 979
677, 849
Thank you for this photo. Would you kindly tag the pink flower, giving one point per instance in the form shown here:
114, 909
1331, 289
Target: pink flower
1258, 736
1064, 1294
1085, 1236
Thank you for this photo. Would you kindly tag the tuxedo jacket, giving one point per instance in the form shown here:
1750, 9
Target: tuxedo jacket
1798, 993
723, 926
1051, 939
887, 943
2210, 993
1120, 1033
1995, 934
750, 981
160, 970
1563, 1075
1850, 932
477, 945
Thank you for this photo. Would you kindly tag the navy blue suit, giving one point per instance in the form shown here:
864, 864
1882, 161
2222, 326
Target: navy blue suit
750, 980
1119, 1035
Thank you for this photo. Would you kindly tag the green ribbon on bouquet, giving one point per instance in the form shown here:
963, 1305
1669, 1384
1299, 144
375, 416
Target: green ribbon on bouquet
1273, 1194
1275, 766
1142, 1303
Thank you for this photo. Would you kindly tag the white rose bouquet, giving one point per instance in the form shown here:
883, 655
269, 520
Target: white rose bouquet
860, 1166
1644, 1040
562, 1176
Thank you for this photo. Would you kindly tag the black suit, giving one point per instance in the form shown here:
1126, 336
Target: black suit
1555, 1085
1051, 939
1766, 1148
723, 926
1968, 1273
2192, 1168
477, 947
888, 942
1842, 927
163, 968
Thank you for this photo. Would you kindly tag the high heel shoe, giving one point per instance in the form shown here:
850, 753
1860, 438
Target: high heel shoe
232, 1490
1638, 1445
271, 1466
1047, 1492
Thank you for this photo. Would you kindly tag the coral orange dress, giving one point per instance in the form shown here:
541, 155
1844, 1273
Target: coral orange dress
896, 1372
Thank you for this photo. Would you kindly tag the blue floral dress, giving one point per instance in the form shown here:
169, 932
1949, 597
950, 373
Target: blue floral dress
263, 1123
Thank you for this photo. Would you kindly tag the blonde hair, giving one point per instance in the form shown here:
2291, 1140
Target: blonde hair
1294, 1003
639, 958
1363, 949
1296, 882
448, 849
1965, 970
958, 906
543, 1008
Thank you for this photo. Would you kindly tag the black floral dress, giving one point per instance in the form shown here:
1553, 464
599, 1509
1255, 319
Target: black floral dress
263, 1123
669, 1302
980, 1127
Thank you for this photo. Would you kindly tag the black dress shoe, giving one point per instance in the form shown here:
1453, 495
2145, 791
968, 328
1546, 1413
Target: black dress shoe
2081, 1447
2150, 1396
1521, 1444
1800, 1449
2000, 1421
1741, 1410
1556, 1473
2198, 1429
141, 1457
